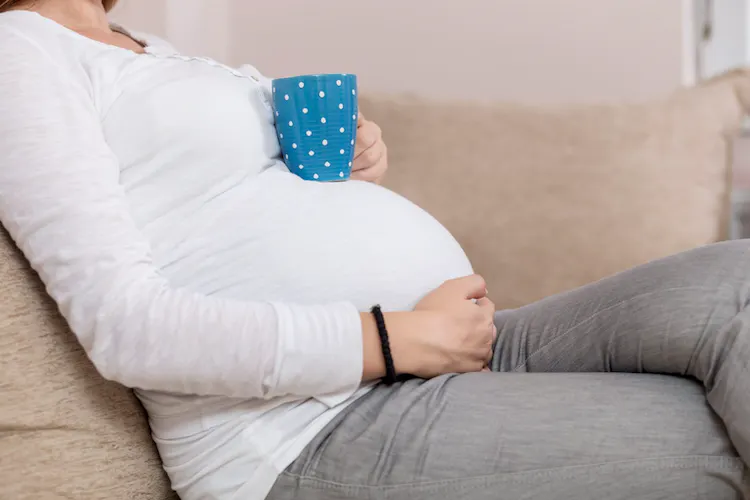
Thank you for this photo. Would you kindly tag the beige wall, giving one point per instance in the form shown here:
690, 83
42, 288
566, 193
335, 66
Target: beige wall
197, 27
528, 50
531, 50
142, 15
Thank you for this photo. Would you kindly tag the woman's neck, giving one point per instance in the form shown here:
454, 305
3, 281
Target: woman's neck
78, 15
88, 18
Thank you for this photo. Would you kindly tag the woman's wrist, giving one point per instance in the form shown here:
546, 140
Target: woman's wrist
402, 327
373, 365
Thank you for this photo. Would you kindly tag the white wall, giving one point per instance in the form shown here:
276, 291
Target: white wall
728, 44
200, 27
142, 15
531, 50
196, 27
544, 51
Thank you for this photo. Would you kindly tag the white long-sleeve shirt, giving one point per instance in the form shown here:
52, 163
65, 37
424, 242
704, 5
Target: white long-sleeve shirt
149, 194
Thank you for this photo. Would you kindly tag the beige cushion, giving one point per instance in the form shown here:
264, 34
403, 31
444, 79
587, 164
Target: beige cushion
65, 433
547, 200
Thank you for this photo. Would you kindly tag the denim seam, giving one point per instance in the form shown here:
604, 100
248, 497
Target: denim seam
564, 472
560, 337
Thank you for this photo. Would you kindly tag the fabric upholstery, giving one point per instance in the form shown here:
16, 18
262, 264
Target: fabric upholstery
544, 200
65, 433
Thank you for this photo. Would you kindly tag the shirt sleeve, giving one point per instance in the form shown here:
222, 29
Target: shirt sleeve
61, 201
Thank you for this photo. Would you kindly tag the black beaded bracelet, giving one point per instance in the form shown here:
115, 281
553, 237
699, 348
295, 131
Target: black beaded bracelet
390, 370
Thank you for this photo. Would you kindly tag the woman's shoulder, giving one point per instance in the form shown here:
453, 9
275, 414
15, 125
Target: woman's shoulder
34, 49
22, 32
24, 24
28, 27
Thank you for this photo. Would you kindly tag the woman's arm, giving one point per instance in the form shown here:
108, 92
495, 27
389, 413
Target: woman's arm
62, 203
371, 154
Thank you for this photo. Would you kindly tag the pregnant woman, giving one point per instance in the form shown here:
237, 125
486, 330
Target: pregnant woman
146, 189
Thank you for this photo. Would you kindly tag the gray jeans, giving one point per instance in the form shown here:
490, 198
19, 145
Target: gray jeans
672, 423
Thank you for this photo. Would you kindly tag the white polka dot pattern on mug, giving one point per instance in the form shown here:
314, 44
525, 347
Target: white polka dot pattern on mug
315, 154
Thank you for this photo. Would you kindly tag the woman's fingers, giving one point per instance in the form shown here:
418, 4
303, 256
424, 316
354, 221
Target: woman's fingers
372, 165
368, 135
488, 310
469, 287
370, 153
488, 314
486, 304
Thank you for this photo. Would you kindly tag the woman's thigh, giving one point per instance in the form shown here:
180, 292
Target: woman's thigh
688, 314
678, 315
522, 436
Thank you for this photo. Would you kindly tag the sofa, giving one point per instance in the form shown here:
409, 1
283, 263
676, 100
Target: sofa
542, 200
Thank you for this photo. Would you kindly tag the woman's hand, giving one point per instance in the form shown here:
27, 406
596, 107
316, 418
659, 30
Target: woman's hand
465, 332
370, 153
451, 330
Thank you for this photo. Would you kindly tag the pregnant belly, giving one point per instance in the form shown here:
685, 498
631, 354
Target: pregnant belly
313, 243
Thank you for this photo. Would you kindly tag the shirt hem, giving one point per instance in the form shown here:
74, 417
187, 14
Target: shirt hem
265, 476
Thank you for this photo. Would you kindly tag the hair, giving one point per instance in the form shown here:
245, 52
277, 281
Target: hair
10, 4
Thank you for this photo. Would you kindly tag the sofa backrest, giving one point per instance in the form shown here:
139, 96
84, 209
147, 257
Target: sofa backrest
545, 200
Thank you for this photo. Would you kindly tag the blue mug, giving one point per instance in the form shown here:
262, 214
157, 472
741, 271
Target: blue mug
316, 123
